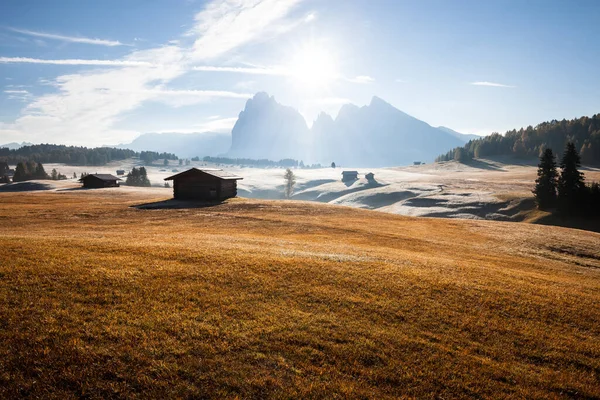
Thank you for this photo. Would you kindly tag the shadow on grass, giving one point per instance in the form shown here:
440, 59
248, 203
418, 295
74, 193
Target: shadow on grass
77, 188
176, 204
482, 164
349, 182
584, 224
25, 187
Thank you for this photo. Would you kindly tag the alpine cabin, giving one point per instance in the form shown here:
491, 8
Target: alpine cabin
96, 181
349, 176
204, 184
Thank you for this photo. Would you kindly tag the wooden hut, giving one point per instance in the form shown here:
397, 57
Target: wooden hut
120, 172
349, 176
95, 181
204, 184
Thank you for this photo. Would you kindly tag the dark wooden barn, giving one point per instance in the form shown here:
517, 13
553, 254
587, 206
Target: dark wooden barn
204, 184
349, 176
95, 181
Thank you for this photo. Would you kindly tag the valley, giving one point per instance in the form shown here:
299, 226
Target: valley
493, 189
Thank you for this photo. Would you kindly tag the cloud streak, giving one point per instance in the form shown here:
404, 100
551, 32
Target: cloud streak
491, 84
227, 24
86, 106
70, 39
274, 71
100, 63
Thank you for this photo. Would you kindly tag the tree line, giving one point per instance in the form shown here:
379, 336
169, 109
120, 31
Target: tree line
52, 153
148, 157
263, 162
565, 192
530, 142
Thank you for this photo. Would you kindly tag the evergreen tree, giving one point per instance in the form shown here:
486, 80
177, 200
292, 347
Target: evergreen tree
40, 173
545, 184
332, 165
571, 187
144, 181
137, 177
54, 174
3, 168
166, 162
20, 173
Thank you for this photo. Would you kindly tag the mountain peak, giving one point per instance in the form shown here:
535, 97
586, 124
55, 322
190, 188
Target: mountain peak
378, 101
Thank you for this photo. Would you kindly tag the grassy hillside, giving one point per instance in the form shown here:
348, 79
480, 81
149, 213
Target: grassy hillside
269, 299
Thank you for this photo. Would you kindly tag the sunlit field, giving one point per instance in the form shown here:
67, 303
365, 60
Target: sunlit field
274, 299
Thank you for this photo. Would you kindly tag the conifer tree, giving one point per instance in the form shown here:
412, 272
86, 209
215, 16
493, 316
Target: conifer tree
571, 187
545, 184
20, 173
40, 172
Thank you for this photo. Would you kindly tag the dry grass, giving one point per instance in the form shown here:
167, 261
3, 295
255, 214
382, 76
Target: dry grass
268, 299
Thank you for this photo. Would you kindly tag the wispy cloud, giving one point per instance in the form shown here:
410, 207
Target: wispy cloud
491, 84
101, 63
18, 94
179, 98
70, 39
94, 101
217, 125
227, 24
361, 79
277, 71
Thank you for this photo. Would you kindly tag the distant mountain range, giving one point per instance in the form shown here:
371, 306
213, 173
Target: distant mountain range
375, 135
185, 145
465, 137
15, 145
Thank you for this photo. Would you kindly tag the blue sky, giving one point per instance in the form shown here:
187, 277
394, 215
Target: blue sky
94, 73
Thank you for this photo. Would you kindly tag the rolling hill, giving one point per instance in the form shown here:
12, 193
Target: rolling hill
276, 299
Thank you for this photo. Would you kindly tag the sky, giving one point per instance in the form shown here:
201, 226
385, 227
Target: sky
103, 72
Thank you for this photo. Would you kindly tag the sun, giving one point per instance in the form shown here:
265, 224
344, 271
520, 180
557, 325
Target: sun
313, 66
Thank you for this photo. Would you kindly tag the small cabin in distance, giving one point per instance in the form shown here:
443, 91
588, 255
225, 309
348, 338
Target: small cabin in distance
204, 184
120, 172
97, 181
417, 162
349, 176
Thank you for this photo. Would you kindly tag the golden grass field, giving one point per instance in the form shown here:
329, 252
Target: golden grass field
274, 299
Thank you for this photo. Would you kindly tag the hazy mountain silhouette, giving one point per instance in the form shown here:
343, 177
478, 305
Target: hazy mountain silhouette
374, 135
185, 145
465, 137
15, 145
267, 129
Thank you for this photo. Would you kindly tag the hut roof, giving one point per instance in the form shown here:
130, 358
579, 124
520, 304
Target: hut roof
103, 177
349, 172
217, 173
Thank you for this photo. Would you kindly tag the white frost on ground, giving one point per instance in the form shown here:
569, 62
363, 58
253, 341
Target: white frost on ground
453, 190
